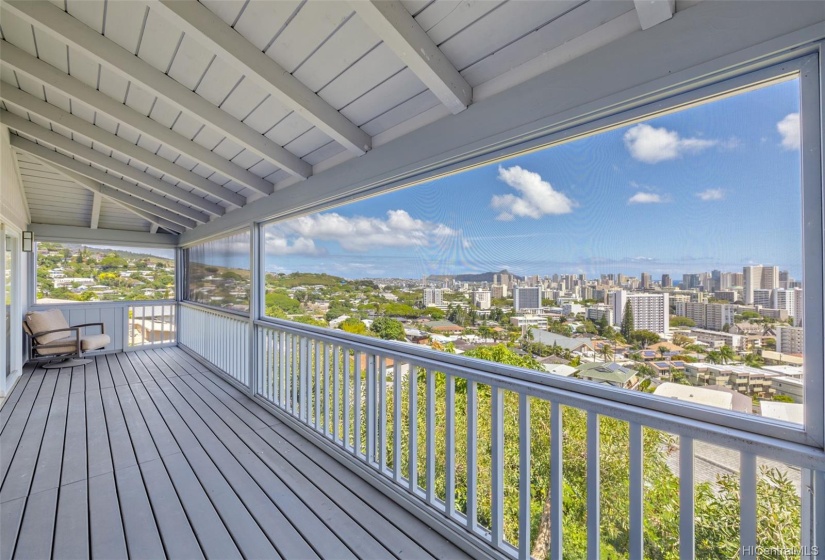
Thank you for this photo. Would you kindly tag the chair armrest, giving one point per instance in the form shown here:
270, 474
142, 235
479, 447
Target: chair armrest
76, 329
102, 331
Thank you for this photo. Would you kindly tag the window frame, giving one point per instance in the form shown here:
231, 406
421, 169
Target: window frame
807, 65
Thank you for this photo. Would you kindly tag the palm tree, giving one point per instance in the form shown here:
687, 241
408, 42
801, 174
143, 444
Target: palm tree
607, 352
754, 360
713, 357
727, 354
636, 356
662, 350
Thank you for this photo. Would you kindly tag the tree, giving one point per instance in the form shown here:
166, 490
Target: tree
627, 326
354, 326
643, 338
678, 321
726, 354
388, 329
783, 398
713, 357
662, 351
754, 360
607, 352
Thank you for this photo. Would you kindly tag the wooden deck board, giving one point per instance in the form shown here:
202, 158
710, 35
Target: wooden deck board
145, 455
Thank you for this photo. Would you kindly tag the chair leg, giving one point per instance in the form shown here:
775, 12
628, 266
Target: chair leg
67, 363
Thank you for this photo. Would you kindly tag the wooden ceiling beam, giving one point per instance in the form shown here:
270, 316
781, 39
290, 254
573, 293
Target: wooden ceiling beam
66, 28
199, 22
391, 21
22, 62
56, 115
76, 149
160, 206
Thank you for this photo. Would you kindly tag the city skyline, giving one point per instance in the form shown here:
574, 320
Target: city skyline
715, 186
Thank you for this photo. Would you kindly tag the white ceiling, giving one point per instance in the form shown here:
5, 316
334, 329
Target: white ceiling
195, 133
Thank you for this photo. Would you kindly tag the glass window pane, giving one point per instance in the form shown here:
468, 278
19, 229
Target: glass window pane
73, 273
219, 272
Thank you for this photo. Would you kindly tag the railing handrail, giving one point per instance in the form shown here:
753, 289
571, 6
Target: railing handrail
649, 410
118, 303
216, 310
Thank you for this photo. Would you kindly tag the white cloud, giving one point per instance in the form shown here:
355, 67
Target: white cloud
789, 131
279, 245
646, 198
536, 197
711, 194
652, 145
359, 233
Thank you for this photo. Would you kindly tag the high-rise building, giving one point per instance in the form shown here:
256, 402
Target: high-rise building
753, 281
646, 282
599, 310
433, 296
666, 281
784, 299
499, 291
789, 340
481, 299
651, 312
525, 297
762, 297
799, 307
770, 277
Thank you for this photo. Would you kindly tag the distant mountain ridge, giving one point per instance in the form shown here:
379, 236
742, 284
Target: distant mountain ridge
480, 277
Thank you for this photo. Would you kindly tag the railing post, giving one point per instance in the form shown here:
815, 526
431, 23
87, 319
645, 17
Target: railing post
256, 277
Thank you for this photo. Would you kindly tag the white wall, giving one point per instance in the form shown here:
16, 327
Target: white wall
14, 218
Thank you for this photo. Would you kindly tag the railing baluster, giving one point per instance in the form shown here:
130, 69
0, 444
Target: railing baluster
556, 480
382, 427
371, 403
396, 421
449, 443
336, 389
686, 498
296, 409
524, 477
593, 486
329, 360
305, 371
282, 363
317, 380
497, 465
357, 396
346, 397
430, 418
412, 420
636, 525
472, 453
747, 504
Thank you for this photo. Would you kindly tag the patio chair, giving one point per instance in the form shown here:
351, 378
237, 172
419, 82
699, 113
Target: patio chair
51, 336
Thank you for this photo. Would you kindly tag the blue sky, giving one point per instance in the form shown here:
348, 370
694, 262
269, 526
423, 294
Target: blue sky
713, 186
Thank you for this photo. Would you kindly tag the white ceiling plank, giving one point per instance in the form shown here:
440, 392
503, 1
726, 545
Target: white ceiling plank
391, 21
51, 50
211, 30
89, 12
373, 69
227, 10
163, 207
135, 205
30, 67
441, 20
309, 28
260, 21
153, 229
95, 211
160, 41
190, 62
106, 52
124, 23
654, 12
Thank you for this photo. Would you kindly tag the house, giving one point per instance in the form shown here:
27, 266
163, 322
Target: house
612, 374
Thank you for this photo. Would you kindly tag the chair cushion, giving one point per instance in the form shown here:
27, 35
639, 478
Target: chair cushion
69, 347
40, 321
87, 343
94, 341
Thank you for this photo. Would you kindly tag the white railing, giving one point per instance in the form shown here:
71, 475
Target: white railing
126, 322
150, 324
220, 337
361, 396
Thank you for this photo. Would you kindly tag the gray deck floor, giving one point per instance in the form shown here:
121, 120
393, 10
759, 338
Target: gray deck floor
148, 455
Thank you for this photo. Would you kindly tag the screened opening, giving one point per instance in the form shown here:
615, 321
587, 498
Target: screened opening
75, 273
662, 256
218, 272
